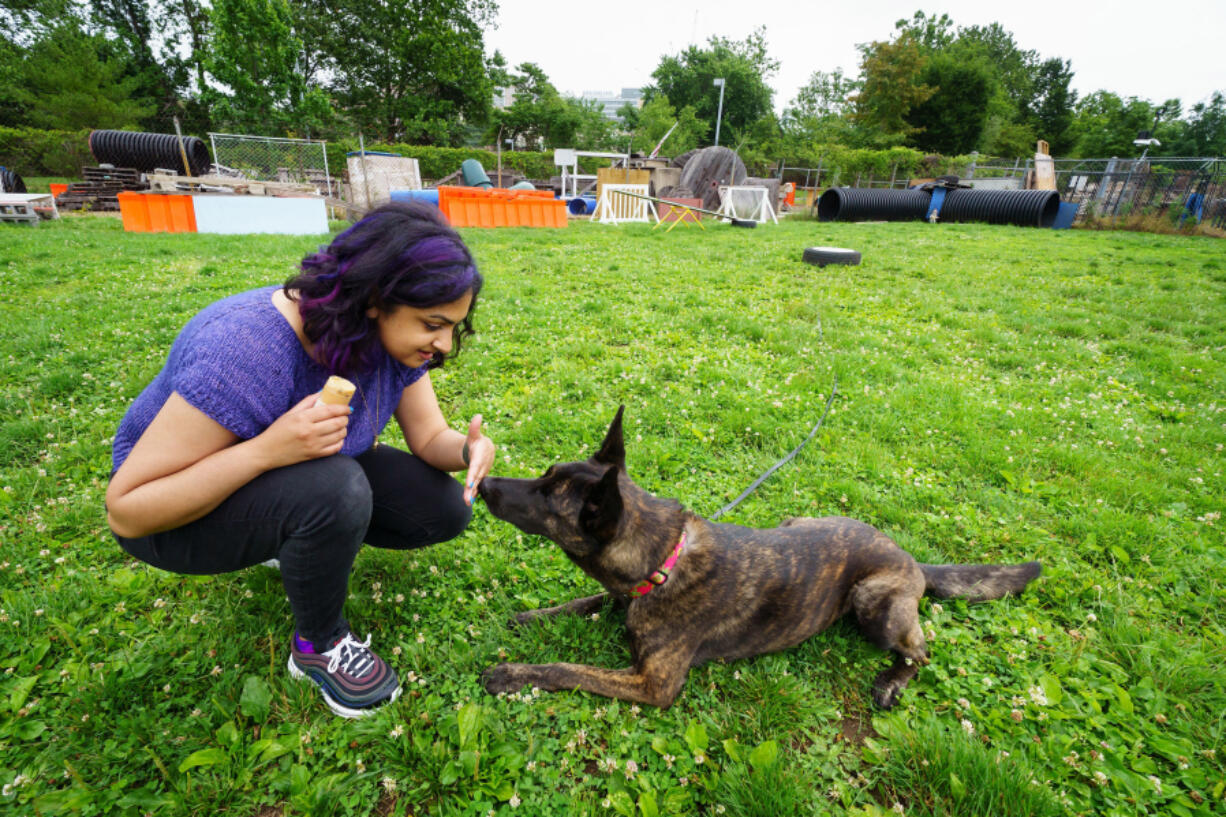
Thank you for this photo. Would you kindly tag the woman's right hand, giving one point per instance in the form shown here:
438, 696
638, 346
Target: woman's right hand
305, 432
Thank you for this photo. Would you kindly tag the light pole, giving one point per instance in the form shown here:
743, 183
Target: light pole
719, 83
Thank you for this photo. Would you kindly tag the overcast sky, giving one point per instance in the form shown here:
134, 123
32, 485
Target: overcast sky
1150, 50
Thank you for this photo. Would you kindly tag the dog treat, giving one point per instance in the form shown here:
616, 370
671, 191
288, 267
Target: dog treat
337, 392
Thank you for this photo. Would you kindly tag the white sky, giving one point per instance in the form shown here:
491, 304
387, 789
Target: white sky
1151, 50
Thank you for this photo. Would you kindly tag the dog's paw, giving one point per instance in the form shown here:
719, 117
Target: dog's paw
886, 694
503, 678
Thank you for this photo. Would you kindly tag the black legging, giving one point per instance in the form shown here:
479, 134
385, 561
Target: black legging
313, 517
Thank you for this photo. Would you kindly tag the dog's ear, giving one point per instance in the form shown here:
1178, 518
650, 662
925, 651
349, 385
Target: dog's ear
613, 449
602, 509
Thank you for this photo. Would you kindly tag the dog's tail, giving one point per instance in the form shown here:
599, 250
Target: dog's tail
978, 582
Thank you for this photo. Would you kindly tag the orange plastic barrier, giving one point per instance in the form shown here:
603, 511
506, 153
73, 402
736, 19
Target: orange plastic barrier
56, 189
499, 207
156, 213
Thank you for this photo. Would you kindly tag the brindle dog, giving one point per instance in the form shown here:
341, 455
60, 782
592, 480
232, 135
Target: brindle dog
733, 591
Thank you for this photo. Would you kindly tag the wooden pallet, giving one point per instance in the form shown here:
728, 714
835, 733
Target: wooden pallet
171, 183
128, 176
98, 191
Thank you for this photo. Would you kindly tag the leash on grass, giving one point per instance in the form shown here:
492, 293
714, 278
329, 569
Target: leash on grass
834, 390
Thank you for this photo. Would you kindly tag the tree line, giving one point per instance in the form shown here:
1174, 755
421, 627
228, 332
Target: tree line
416, 72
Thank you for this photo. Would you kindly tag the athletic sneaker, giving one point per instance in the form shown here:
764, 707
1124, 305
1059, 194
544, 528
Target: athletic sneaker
275, 564
352, 678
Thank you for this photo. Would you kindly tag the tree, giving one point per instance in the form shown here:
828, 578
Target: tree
820, 112
688, 80
410, 70
1106, 125
255, 56
1051, 104
649, 124
891, 86
66, 82
952, 120
1205, 132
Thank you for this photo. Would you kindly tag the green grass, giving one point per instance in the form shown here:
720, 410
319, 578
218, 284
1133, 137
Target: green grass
1003, 394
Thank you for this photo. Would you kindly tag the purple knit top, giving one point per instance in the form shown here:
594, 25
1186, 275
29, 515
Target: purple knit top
240, 362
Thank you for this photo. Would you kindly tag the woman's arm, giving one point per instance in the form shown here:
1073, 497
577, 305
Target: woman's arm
426, 432
185, 464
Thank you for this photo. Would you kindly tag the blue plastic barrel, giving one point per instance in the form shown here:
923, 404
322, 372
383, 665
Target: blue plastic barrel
1065, 216
429, 196
581, 206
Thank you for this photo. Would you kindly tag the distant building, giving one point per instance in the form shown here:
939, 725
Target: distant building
503, 98
611, 103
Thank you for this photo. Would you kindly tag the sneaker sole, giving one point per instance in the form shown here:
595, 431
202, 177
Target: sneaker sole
336, 706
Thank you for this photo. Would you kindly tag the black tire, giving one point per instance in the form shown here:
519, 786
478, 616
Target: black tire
10, 182
821, 256
748, 223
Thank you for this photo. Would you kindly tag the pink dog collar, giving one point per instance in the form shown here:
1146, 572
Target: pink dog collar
661, 575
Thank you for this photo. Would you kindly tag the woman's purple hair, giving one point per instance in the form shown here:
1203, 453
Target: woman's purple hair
398, 254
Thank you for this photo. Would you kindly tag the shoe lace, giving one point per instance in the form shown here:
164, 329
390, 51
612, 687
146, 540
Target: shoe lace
351, 656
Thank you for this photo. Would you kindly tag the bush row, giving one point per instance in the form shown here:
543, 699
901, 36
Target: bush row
32, 152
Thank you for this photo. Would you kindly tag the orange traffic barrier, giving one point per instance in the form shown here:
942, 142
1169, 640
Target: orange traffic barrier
498, 207
156, 213
56, 189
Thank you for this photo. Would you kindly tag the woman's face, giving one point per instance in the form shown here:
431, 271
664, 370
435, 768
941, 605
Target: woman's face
413, 335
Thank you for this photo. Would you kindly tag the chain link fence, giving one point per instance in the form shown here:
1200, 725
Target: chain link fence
270, 159
1115, 188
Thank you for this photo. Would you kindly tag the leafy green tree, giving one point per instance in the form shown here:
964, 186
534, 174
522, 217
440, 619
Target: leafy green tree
1204, 131
649, 124
820, 112
254, 55
409, 70
1106, 125
65, 81
952, 120
892, 85
1050, 108
687, 80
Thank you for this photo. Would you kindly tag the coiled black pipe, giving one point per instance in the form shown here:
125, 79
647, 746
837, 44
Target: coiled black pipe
148, 151
862, 204
1024, 208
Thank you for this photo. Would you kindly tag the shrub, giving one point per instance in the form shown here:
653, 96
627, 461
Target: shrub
32, 152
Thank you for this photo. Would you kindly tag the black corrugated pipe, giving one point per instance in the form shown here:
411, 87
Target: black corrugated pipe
1025, 208
148, 151
862, 204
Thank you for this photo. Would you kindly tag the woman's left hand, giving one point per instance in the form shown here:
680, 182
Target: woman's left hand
480, 458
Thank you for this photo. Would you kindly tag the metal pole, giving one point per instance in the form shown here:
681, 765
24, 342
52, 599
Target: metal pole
327, 174
365, 171
720, 82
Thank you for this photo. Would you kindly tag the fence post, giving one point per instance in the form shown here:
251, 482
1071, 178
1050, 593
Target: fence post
365, 171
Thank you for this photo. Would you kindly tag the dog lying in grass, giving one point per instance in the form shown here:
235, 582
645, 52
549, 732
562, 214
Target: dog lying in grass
697, 590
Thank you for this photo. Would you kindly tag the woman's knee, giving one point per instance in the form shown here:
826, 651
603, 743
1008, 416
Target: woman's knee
333, 492
454, 516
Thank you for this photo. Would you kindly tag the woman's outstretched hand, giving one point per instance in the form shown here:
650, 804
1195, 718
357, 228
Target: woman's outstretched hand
480, 458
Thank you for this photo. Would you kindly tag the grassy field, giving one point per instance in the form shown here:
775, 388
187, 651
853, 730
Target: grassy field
1003, 394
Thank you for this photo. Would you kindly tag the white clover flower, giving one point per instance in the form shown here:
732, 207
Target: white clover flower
968, 727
